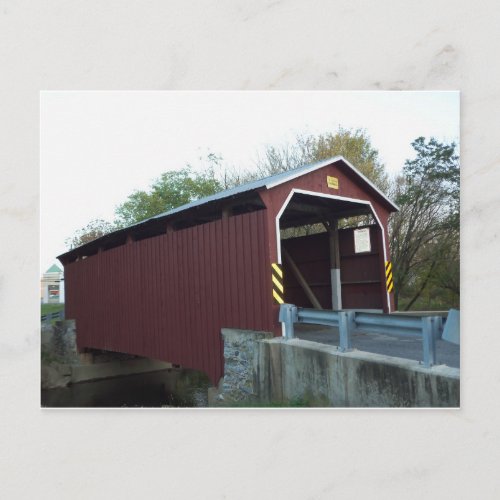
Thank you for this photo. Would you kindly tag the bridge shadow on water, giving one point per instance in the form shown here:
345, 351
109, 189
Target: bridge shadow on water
159, 389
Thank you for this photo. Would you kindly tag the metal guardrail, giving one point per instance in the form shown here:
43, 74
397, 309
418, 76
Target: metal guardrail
428, 327
47, 318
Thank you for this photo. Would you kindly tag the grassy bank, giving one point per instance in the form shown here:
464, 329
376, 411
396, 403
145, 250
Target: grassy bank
51, 308
254, 403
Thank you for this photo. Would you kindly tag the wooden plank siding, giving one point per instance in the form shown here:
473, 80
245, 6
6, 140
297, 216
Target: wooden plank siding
360, 273
349, 186
167, 297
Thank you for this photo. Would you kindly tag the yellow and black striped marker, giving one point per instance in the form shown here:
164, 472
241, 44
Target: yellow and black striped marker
388, 276
278, 289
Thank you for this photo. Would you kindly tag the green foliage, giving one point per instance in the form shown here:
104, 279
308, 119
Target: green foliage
48, 358
93, 230
175, 188
434, 176
354, 145
171, 190
51, 308
296, 402
425, 232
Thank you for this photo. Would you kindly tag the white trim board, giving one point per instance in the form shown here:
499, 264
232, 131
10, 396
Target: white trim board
325, 163
333, 197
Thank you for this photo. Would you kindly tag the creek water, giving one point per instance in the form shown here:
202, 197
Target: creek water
165, 388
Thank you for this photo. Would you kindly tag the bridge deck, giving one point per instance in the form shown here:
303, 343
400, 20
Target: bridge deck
390, 345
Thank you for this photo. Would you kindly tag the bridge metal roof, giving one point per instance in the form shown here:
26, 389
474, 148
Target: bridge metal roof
270, 182
264, 183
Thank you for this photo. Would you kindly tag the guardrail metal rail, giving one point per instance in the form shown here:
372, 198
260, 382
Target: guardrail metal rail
428, 327
47, 318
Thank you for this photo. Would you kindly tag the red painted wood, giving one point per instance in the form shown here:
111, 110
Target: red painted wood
168, 297
350, 186
361, 267
311, 254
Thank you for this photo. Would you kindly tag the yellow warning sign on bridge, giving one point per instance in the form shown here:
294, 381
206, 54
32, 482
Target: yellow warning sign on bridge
332, 182
277, 279
388, 276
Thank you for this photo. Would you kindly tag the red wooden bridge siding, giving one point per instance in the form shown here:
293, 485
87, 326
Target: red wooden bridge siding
363, 283
359, 272
168, 297
312, 256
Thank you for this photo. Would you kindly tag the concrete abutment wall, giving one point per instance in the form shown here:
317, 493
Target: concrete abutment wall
274, 370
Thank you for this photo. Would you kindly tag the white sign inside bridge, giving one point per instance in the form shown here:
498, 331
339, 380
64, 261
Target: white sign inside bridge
362, 240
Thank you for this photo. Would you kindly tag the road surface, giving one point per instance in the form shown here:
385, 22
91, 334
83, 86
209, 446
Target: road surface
390, 345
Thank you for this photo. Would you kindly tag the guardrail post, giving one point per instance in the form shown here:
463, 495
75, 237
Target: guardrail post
346, 326
437, 322
429, 341
288, 316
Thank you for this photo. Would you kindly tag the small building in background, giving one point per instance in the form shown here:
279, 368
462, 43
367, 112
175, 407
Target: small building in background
52, 286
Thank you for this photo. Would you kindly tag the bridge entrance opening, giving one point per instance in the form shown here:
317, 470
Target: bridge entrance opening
332, 252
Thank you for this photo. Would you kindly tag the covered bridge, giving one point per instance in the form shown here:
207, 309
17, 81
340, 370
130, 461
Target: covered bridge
164, 288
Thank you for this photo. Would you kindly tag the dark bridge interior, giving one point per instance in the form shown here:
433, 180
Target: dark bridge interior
309, 255
305, 209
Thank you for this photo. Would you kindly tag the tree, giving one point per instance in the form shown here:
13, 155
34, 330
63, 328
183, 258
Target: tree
354, 145
178, 187
170, 190
425, 232
93, 230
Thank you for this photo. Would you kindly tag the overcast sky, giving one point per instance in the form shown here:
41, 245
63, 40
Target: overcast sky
98, 147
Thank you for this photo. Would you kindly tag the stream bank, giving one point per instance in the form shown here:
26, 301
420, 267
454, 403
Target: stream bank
107, 379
